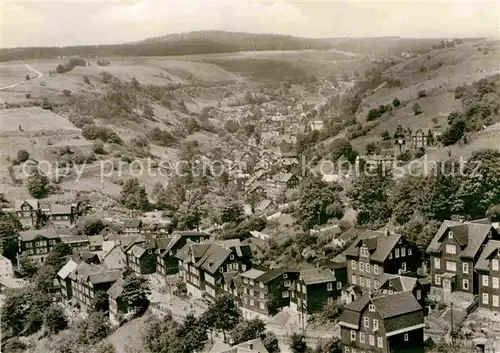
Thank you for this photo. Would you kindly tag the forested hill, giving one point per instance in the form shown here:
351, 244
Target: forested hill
201, 42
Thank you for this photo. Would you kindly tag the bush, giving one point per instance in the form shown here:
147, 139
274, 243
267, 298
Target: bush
376, 113
385, 135
27, 95
55, 320
422, 93
27, 77
22, 156
396, 102
93, 132
98, 147
66, 92
416, 109
46, 104
86, 80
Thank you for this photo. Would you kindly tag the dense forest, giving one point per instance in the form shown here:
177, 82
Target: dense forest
176, 44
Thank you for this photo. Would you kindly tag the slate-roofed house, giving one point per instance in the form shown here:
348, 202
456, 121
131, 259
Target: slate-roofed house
35, 245
95, 242
65, 280
488, 270
317, 286
115, 258
396, 283
132, 226
87, 280
231, 283
283, 181
78, 242
28, 212
374, 254
61, 215
141, 258
117, 306
454, 252
265, 291
386, 323
167, 263
202, 265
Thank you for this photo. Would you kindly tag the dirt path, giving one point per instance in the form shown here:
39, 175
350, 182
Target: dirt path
39, 74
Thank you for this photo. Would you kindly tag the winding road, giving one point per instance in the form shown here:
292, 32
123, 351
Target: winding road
39, 74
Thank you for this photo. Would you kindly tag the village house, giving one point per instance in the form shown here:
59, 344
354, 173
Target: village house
6, 269
374, 254
386, 323
114, 258
396, 283
419, 139
316, 125
316, 287
230, 284
65, 280
95, 242
454, 252
28, 212
78, 242
488, 270
132, 226
201, 265
265, 292
257, 190
167, 263
85, 282
117, 306
251, 346
141, 258
283, 181
35, 245
61, 215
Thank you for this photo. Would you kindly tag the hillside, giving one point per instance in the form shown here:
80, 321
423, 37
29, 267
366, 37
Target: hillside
201, 42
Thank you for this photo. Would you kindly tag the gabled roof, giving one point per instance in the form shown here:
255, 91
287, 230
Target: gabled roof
47, 233
134, 223
69, 267
283, 177
273, 274
396, 304
317, 275
213, 258
470, 236
56, 208
400, 283
263, 205
116, 289
380, 244
177, 236
32, 202
491, 248
196, 249
138, 250
96, 240
77, 238
253, 273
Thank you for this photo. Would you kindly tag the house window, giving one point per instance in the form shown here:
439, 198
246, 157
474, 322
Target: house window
494, 264
252, 303
231, 257
485, 298
375, 324
403, 266
285, 294
495, 300
243, 267
366, 322
371, 339
494, 282
406, 338
261, 306
339, 285
353, 279
451, 249
261, 295
221, 269
362, 281
465, 267
437, 279
361, 267
304, 288
419, 294
409, 251
376, 284
396, 253
353, 335
437, 263
361, 337
245, 280
485, 280
329, 287
375, 269
390, 255
403, 252
451, 266
286, 283
353, 264
346, 350
465, 284
261, 284
371, 307
368, 268
368, 283
285, 276
380, 342
450, 234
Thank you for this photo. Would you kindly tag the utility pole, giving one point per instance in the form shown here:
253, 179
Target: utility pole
451, 319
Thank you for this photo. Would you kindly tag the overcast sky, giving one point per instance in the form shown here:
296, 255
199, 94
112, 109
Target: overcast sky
77, 22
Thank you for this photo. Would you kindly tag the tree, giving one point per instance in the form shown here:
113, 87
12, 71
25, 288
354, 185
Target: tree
162, 336
135, 291
372, 148
93, 226
319, 201
454, 133
38, 184
422, 93
98, 147
248, 330
222, 315
100, 302
54, 320
193, 334
298, 344
385, 135
27, 77
94, 328
58, 256
22, 156
9, 228
416, 109
396, 102
133, 195
46, 104
270, 341
158, 191
328, 345
231, 212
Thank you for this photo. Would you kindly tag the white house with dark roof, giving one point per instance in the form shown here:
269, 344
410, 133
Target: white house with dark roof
384, 323
488, 270
28, 212
61, 215
6, 269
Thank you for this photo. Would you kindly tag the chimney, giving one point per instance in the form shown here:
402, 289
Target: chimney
250, 346
386, 232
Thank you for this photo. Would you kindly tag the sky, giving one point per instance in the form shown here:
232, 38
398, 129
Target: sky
83, 22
